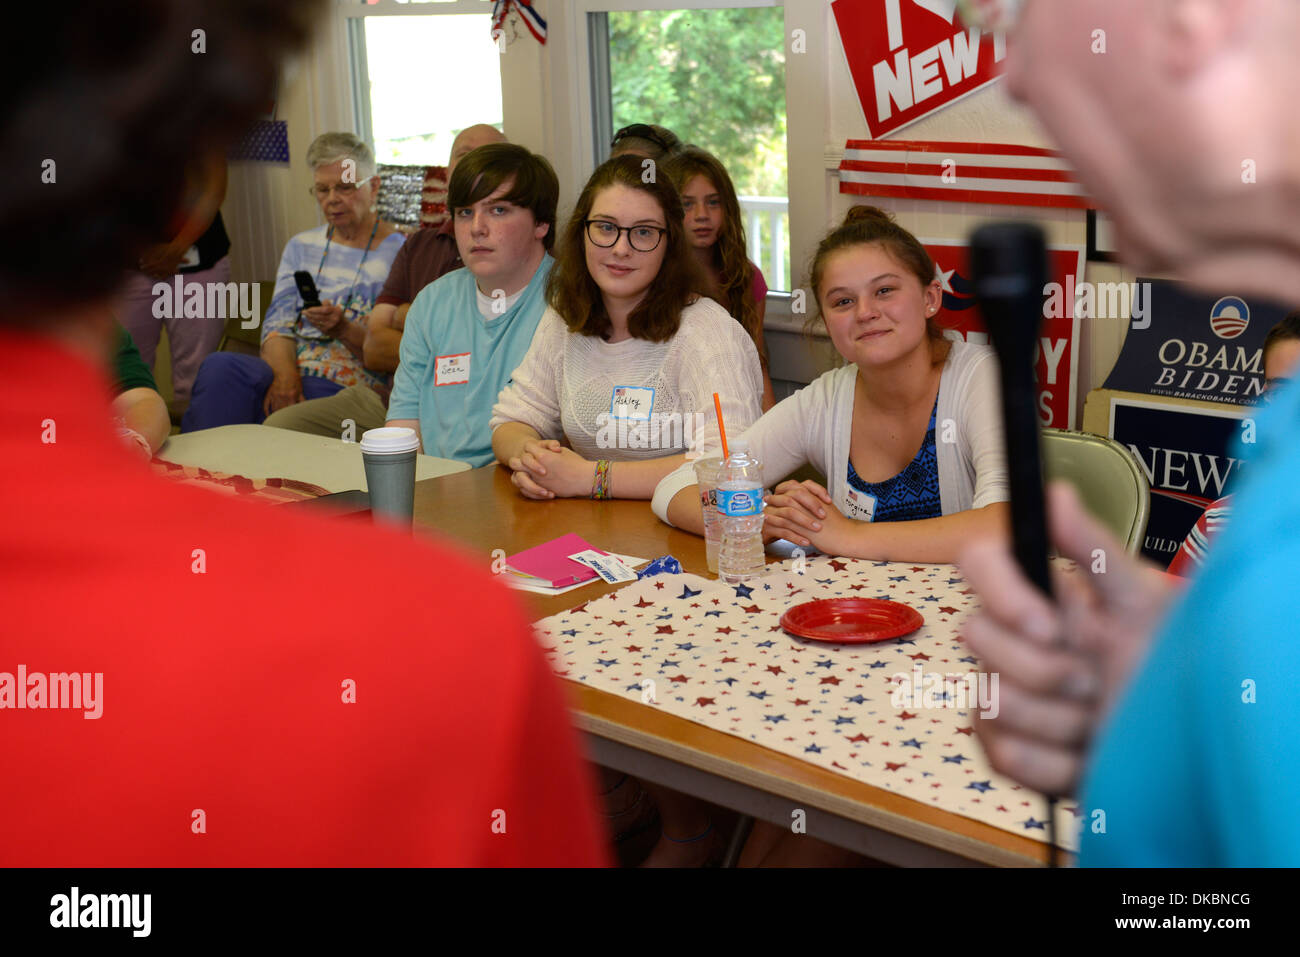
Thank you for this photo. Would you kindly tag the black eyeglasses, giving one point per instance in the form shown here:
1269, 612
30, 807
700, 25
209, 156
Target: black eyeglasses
644, 239
641, 131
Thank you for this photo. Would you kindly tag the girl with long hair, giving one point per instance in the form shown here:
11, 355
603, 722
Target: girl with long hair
618, 383
908, 433
716, 232
624, 364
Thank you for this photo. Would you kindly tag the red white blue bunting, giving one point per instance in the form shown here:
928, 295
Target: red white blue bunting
524, 8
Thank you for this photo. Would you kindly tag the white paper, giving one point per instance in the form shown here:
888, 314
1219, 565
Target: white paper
606, 566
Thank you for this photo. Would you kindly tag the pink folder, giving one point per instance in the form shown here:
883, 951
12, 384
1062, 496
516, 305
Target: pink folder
550, 561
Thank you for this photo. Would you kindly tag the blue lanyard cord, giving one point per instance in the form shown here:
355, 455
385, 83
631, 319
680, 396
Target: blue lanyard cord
329, 238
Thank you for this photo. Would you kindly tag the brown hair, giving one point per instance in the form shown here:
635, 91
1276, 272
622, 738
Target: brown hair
127, 110
481, 172
574, 295
1288, 328
729, 252
864, 225
645, 139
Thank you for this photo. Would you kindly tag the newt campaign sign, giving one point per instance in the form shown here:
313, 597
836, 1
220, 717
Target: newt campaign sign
1188, 456
910, 58
1056, 357
1194, 346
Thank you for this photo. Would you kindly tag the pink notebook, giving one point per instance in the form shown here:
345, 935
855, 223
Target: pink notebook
550, 561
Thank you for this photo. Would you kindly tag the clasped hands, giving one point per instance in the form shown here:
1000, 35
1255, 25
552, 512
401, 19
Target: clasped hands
804, 513
545, 469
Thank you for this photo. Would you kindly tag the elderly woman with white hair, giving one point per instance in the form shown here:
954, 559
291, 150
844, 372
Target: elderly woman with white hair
311, 352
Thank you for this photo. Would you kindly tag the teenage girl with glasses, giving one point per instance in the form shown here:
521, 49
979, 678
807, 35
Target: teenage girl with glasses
618, 383
627, 348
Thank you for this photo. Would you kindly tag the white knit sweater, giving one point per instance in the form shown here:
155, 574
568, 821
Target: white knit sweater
564, 387
815, 426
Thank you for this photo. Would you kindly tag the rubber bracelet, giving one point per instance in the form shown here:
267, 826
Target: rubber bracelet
600, 483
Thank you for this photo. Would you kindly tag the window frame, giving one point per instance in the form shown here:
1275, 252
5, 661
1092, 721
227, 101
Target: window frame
596, 14
349, 20
559, 116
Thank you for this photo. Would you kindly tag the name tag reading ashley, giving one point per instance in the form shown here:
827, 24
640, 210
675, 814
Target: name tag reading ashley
451, 370
862, 506
632, 402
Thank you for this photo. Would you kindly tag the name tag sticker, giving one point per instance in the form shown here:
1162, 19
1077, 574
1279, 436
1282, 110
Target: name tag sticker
451, 370
632, 402
862, 506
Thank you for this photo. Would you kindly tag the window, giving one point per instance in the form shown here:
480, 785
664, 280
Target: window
716, 78
420, 79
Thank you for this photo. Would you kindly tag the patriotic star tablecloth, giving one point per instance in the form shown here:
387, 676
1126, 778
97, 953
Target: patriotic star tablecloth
716, 654
274, 490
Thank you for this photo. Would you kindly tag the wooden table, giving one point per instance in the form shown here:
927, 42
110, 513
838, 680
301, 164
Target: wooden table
481, 509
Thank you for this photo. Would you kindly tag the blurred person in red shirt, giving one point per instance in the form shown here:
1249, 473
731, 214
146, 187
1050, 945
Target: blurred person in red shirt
164, 702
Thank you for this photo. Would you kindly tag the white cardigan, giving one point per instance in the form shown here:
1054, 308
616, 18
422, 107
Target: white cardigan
564, 386
815, 426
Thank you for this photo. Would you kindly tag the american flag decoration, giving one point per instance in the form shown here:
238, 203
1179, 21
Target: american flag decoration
960, 172
413, 196
524, 8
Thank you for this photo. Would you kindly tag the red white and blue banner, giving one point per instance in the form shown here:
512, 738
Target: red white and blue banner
960, 173
502, 9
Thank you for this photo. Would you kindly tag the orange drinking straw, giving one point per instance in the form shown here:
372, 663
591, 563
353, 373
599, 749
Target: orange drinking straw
722, 430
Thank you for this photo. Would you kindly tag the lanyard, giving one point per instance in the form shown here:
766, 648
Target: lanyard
329, 238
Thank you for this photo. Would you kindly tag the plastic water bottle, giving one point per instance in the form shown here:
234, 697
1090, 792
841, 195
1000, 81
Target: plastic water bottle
740, 510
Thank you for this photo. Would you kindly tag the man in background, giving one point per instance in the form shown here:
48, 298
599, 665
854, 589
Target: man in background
645, 139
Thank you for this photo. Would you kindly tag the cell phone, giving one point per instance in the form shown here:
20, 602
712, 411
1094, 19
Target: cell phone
307, 289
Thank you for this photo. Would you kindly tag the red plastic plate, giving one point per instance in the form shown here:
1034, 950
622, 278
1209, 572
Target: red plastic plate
852, 620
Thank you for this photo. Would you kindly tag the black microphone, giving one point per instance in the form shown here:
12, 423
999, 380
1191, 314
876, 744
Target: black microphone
1009, 265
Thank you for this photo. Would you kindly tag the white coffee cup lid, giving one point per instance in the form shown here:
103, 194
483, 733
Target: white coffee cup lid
389, 441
